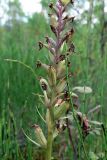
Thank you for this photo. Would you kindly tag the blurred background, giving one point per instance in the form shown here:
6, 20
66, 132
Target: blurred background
22, 25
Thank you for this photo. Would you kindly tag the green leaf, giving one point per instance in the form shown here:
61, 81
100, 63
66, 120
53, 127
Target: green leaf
31, 139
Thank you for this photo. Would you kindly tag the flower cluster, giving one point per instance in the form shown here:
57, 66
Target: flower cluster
56, 95
54, 86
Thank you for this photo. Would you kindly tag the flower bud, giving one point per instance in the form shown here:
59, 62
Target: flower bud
47, 100
53, 21
67, 37
61, 85
54, 30
46, 90
52, 76
51, 6
61, 110
44, 85
40, 136
66, 2
40, 45
61, 125
61, 68
43, 65
50, 41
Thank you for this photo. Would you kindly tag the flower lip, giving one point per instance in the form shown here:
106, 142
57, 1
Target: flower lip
44, 86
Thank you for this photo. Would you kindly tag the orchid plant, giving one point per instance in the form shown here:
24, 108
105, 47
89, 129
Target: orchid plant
57, 97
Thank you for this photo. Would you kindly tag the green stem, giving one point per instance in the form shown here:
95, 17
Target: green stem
49, 146
50, 136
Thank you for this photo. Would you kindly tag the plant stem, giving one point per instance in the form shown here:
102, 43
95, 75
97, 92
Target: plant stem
49, 146
50, 136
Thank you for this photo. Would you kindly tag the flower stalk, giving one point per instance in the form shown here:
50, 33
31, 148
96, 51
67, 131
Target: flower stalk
55, 87
50, 135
